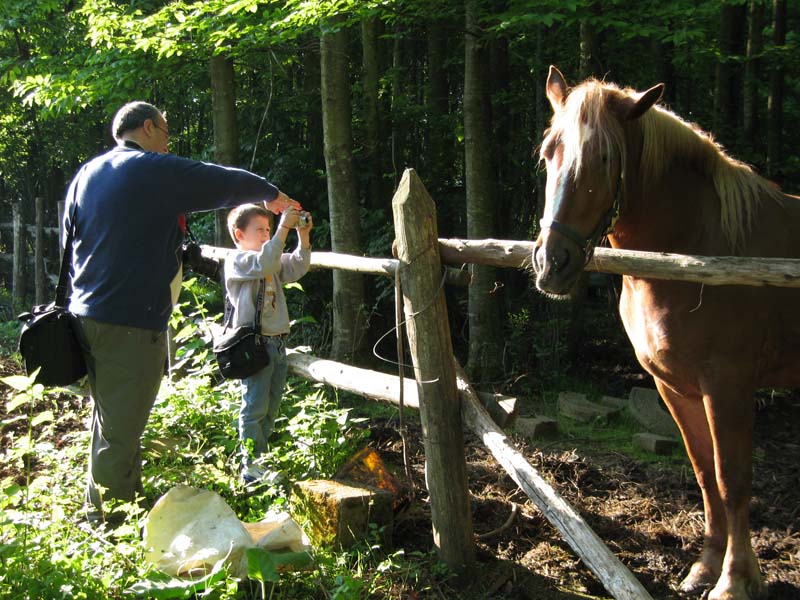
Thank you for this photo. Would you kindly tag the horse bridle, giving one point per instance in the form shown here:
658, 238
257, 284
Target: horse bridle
604, 227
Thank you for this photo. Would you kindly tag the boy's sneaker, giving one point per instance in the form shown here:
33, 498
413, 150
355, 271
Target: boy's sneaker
255, 475
252, 474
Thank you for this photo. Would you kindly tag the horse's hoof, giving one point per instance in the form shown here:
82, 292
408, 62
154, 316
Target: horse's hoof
739, 589
700, 577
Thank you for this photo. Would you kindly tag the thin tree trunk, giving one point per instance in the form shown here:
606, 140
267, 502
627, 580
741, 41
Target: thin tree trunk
485, 314
755, 44
348, 288
775, 103
727, 81
439, 135
398, 100
38, 252
18, 282
590, 63
226, 134
369, 44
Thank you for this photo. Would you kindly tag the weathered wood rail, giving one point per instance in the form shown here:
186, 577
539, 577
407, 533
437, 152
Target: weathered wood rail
710, 270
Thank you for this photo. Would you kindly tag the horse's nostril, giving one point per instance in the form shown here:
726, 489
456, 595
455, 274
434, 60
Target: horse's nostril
538, 259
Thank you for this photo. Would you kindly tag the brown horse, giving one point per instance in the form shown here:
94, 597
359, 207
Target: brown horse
619, 165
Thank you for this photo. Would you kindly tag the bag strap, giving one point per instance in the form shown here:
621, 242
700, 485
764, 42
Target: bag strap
262, 288
66, 258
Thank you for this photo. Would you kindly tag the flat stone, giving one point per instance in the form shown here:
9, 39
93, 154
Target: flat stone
614, 402
576, 406
655, 444
536, 427
502, 409
644, 405
338, 515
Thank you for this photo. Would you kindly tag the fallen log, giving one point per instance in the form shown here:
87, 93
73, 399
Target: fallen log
610, 571
382, 386
614, 576
710, 270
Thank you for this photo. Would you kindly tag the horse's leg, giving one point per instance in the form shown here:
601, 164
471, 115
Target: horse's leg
690, 416
730, 406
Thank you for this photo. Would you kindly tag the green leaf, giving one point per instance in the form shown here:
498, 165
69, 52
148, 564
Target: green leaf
17, 401
164, 587
42, 417
20, 382
265, 565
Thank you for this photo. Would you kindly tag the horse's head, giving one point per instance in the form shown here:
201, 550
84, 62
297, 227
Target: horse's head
585, 151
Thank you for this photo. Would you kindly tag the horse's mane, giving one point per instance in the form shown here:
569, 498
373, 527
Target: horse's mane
666, 138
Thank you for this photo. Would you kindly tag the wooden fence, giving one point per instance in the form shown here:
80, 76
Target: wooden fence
443, 393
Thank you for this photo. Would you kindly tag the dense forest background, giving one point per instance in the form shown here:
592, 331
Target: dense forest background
332, 99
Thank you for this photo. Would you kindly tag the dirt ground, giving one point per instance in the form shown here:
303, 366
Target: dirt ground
648, 514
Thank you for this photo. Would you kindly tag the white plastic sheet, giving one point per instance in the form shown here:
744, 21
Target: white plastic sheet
190, 530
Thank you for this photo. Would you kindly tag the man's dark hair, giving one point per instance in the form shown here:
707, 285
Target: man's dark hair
239, 217
132, 116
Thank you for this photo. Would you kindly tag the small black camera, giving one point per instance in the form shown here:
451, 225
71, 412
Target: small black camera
193, 260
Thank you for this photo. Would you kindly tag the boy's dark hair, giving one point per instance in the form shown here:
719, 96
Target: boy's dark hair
132, 116
239, 217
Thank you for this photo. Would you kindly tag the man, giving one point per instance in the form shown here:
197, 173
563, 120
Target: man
125, 253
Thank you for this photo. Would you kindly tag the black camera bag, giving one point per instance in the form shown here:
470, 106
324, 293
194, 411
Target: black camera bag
47, 340
243, 351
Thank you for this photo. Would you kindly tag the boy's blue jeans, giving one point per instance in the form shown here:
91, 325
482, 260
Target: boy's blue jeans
261, 401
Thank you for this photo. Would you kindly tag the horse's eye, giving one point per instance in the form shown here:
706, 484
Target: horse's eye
550, 148
604, 158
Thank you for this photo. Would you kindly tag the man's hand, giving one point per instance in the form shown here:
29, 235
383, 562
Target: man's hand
281, 203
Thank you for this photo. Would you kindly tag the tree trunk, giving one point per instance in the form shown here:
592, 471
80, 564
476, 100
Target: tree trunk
590, 63
369, 45
38, 252
18, 279
226, 134
755, 44
775, 103
485, 314
439, 134
398, 101
727, 81
348, 288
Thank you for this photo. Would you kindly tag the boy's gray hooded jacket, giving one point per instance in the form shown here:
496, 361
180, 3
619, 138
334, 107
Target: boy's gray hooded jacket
243, 271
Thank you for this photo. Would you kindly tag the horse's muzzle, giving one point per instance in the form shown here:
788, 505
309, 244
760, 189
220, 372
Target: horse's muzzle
556, 264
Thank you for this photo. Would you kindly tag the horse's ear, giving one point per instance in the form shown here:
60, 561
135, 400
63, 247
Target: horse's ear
645, 101
557, 88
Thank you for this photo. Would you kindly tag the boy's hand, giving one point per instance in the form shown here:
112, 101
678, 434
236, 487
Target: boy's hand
290, 218
281, 203
309, 222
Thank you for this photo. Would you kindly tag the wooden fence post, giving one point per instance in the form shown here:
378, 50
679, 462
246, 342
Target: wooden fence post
20, 256
432, 353
38, 252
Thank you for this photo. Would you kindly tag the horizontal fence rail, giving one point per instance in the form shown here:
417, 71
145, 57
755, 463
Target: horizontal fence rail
710, 270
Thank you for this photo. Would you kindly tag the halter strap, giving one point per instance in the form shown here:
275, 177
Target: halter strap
604, 227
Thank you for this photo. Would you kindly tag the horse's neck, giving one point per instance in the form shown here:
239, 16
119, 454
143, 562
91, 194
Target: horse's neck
678, 213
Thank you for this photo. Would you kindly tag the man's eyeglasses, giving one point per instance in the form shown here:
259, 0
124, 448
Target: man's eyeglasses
165, 132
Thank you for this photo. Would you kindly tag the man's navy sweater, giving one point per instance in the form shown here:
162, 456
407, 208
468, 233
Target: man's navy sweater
127, 239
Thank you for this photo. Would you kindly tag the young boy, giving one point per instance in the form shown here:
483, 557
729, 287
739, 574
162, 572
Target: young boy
260, 256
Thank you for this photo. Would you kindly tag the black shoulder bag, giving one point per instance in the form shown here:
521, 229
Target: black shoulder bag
243, 351
47, 340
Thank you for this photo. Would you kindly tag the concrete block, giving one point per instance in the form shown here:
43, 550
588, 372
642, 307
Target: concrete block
576, 406
536, 428
655, 444
644, 405
338, 515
